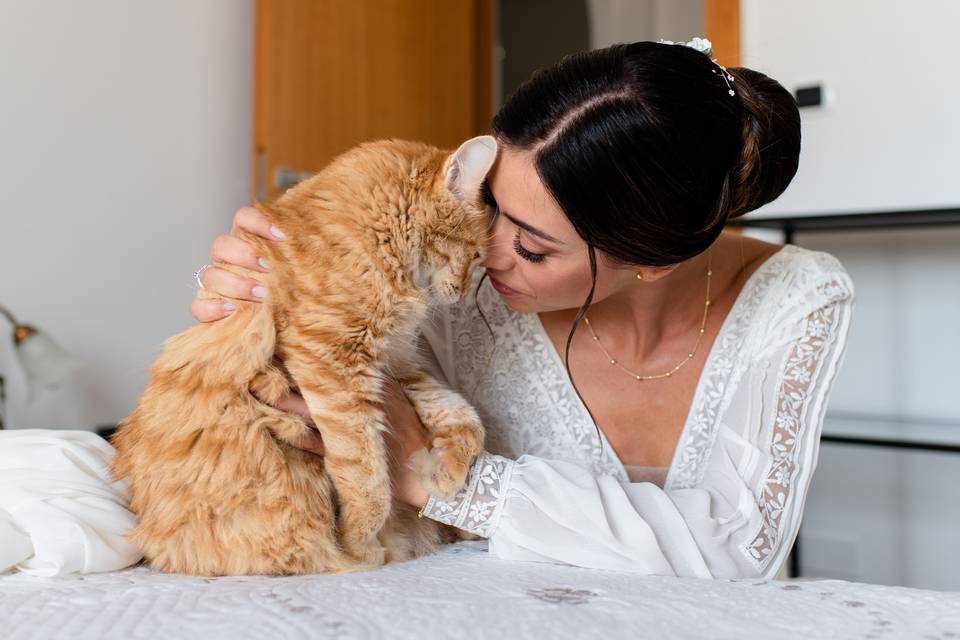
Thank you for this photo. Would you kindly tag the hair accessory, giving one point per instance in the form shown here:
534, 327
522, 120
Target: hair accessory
705, 47
727, 77
702, 45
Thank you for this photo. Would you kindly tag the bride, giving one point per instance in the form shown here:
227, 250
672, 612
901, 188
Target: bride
653, 386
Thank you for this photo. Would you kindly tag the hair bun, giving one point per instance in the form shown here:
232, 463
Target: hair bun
771, 141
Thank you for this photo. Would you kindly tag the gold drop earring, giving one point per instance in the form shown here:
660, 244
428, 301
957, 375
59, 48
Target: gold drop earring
639, 276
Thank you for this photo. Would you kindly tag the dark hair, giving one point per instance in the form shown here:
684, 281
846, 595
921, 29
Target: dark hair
647, 153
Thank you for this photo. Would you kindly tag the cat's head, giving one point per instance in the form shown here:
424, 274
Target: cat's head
455, 227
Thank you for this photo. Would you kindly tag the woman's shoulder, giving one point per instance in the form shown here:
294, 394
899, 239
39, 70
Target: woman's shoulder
815, 261
780, 272
781, 259
810, 270
796, 289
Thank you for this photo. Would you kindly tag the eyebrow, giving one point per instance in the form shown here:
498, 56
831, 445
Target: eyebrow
530, 229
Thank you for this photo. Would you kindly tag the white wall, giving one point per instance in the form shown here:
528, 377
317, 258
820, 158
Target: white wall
888, 138
126, 130
888, 141
613, 21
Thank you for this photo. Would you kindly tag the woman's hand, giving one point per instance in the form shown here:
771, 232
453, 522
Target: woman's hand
310, 440
406, 436
231, 249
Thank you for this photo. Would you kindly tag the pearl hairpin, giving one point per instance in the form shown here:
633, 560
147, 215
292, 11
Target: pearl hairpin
705, 47
728, 78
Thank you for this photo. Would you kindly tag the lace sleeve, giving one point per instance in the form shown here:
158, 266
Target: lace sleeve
805, 369
476, 508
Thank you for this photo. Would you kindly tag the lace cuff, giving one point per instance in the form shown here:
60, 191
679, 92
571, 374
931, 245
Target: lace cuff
476, 508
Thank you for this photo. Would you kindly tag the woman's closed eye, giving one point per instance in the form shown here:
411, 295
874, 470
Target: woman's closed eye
525, 253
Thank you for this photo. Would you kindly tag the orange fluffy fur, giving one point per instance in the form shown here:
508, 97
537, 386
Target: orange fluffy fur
384, 231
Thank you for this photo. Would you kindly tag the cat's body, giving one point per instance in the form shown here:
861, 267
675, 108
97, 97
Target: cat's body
384, 231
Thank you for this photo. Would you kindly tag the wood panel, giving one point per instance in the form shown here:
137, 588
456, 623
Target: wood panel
332, 73
722, 24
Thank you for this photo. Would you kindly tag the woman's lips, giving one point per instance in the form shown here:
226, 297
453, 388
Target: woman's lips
503, 289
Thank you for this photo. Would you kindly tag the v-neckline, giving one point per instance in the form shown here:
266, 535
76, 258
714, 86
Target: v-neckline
541, 334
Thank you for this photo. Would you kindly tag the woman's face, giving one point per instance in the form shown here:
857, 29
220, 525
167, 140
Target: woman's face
536, 260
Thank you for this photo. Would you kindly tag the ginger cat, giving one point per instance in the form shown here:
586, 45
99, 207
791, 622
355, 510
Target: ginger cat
383, 232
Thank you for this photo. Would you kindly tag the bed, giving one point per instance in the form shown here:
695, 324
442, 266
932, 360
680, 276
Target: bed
463, 592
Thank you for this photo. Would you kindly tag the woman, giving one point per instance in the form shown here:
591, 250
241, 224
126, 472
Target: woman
653, 387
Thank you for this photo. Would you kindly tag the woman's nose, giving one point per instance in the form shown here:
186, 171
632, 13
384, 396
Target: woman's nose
498, 253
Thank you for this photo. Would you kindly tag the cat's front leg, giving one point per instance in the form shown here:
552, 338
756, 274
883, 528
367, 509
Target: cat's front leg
456, 433
355, 455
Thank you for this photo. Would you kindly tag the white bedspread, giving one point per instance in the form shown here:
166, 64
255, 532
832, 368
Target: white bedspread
464, 592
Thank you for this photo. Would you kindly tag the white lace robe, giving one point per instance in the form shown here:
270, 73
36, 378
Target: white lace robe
732, 499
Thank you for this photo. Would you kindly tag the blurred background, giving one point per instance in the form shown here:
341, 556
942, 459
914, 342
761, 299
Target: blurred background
131, 132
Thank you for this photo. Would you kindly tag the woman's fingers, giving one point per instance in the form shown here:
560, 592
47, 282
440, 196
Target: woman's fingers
250, 219
310, 441
233, 250
294, 403
207, 310
230, 285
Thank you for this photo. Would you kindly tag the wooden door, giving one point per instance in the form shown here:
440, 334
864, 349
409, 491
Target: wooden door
722, 18
332, 73
722, 26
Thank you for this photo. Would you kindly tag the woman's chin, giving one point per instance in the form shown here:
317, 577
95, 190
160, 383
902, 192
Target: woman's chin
523, 304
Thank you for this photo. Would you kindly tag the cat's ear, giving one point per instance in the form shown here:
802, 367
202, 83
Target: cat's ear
468, 166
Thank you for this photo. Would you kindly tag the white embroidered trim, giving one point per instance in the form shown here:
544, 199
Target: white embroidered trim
724, 371
477, 507
801, 371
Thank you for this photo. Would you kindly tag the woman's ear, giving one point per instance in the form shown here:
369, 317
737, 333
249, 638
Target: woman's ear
466, 167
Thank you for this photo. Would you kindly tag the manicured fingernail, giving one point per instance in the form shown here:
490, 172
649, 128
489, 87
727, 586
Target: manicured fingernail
229, 306
279, 235
260, 291
263, 264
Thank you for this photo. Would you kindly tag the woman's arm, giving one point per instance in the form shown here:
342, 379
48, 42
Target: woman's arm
737, 518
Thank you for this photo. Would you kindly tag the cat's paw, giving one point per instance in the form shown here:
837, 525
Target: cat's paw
443, 470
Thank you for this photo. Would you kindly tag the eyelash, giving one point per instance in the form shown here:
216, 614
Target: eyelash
522, 251
525, 253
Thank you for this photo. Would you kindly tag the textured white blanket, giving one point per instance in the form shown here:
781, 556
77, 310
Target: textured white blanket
61, 514
464, 592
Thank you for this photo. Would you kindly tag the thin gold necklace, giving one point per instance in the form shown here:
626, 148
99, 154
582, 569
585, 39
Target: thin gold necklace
637, 376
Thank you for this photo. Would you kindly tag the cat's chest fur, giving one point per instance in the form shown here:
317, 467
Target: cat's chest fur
398, 347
